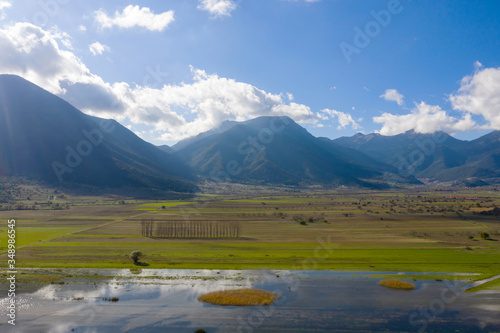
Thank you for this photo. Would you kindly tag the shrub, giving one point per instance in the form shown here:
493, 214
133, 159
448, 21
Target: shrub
136, 256
484, 235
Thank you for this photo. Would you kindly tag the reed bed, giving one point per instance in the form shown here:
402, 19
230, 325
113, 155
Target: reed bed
239, 297
397, 284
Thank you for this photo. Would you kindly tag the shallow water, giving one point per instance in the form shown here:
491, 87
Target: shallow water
312, 301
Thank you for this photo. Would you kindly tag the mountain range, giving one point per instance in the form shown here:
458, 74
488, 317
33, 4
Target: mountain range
276, 150
434, 157
44, 137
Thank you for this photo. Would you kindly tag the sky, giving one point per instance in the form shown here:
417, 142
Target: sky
171, 69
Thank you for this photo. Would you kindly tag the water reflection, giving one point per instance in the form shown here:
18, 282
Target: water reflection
313, 301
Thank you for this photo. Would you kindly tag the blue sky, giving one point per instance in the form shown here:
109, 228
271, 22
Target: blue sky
171, 69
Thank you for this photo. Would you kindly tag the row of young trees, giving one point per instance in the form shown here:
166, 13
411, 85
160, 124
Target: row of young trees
190, 229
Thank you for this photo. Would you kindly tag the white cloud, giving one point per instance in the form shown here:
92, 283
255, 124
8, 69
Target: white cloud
217, 8
37, 55
4, 4
134, 16
480, 94
343, 118
214, 99
82, 28
394, 96
423, 118
97, 48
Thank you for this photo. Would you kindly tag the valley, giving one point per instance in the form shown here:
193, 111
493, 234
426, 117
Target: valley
427, 230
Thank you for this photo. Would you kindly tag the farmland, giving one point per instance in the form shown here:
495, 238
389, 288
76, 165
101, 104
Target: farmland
432, 231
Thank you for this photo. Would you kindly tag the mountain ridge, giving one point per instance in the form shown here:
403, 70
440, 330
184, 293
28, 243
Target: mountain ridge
278, 150
45, 137
437, 156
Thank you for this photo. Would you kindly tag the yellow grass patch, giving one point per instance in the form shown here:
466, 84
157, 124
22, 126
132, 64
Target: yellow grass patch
239, 297
396, 284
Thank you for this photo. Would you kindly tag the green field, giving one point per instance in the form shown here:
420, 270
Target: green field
405, 231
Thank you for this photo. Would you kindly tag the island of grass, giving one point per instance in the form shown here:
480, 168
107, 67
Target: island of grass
397, 284
239, 297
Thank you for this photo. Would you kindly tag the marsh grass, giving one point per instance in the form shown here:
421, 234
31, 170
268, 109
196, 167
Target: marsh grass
109, 299
239, 297
397, 284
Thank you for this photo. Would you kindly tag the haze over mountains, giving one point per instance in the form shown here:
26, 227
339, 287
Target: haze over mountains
277, 150
437, 157
44, 137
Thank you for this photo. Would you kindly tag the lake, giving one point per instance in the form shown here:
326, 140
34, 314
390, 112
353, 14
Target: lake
165, 300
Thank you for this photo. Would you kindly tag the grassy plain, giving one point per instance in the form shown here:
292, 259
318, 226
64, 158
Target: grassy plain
405, 231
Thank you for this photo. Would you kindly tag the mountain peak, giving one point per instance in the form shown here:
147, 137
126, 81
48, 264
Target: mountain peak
59, 143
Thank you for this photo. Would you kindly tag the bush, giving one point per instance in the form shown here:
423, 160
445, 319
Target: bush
484, 235
136, 256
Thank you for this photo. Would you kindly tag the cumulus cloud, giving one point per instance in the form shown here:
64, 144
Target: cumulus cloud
343, 118
214, 99
480, 94
39, 56
36, 54
394, 96
217, 8
423, 118
134, 16
4, 4
97, 48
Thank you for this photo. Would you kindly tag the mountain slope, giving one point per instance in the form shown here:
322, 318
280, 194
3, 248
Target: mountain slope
277, 150
226, 125
434, 156
44, 137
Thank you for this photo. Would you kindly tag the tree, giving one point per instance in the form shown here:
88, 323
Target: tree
136, 256
484, 235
